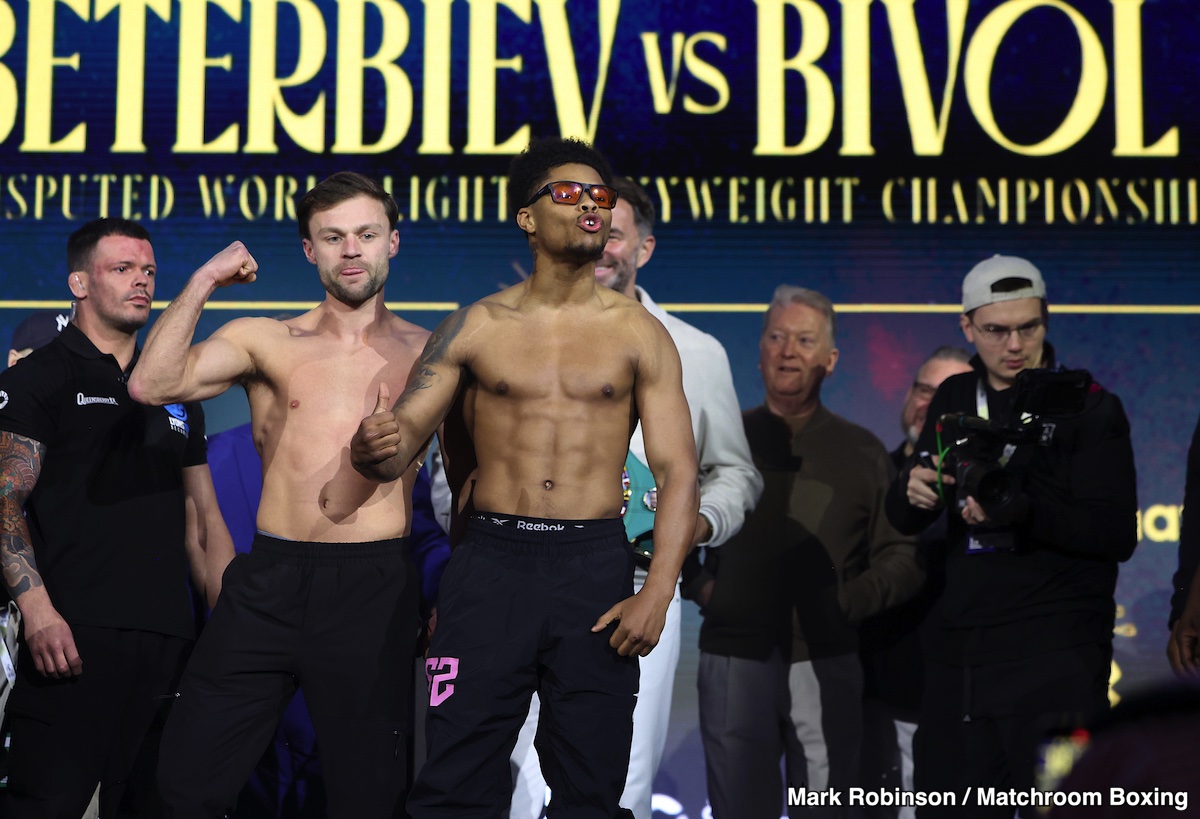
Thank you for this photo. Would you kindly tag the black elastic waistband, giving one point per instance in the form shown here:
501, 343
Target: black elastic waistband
314, 553
545, 536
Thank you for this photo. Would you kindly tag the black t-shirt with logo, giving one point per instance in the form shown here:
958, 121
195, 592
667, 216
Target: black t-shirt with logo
106, 516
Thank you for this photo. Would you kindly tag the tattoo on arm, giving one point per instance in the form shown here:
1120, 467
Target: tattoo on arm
435, 351
20, 466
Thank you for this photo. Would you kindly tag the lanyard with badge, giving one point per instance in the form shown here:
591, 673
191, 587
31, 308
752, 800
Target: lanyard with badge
985, 538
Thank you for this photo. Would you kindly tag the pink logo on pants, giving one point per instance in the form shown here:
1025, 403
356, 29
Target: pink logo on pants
440, 673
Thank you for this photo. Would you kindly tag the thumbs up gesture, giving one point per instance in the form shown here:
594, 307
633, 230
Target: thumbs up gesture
377, 440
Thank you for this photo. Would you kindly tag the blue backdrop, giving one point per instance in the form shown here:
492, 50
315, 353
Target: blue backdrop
871, 151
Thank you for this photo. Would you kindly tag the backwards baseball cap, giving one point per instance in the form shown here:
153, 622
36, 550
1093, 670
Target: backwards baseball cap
38, 329
979, 287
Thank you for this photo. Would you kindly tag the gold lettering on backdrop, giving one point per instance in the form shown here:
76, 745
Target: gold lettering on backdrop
437, 207
266, 102
987, 199
67, 184
848, 185
960, 204
285, 100
252, 198
45, 196
414, 190
435, 101
700, 197
1106, 202
194, 63
856, 78
706, 73
8, 82
286, 188
352, 65
664, 194
131, 67
104, 180
1028, 192
739, 200
1048, 200
887, 202
212, 194
482, 65
783, 208
564, 76
1159, 523
662, 90
162, 197
928, 130
1133, 191
773, 69
39, 79
45, 187
12, 187
1128, 108
40, 196
1089, 96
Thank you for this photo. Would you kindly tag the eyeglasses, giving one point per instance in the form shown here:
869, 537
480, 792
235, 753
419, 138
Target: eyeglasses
922, 390
566, 192
999, 334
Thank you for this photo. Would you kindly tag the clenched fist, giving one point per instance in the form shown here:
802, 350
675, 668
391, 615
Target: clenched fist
233, 265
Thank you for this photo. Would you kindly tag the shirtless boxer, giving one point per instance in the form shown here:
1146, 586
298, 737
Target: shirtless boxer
544, 383
327, 597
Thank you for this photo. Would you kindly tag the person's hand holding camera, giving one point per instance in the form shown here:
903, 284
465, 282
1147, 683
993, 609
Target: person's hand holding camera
923, 485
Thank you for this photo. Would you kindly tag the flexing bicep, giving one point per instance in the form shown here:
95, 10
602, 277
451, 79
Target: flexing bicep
168, 373
434, 379
215, 365
20, 467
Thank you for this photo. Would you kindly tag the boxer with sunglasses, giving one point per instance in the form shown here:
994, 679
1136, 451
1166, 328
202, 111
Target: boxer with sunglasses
540, 387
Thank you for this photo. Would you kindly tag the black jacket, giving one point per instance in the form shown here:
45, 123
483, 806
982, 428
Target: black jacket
1055, 589
1189, 532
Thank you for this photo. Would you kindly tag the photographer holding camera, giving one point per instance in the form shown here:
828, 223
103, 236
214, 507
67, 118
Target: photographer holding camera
1022, 637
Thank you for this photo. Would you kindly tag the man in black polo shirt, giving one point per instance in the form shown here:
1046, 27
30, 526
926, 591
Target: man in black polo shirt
104, 504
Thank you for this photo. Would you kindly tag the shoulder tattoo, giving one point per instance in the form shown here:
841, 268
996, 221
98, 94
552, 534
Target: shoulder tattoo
435, 349
20, 465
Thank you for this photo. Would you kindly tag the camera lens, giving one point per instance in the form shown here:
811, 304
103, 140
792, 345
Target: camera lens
995, 491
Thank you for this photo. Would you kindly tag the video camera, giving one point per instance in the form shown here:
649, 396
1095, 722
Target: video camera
979, 448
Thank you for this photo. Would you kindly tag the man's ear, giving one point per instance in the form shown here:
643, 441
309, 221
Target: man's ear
646, 250
526, 221
968, 329
77, 283
308, 250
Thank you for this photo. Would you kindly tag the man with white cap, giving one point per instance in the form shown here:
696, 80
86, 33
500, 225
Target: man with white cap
1022, 639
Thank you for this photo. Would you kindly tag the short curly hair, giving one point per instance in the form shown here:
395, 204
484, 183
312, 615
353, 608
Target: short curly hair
529, 168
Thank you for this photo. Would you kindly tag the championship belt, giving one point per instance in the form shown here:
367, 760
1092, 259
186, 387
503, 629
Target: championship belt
640, 500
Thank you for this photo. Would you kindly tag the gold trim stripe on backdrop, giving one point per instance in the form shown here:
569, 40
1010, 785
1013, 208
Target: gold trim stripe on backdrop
241, 305
439, 306
1057, 309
